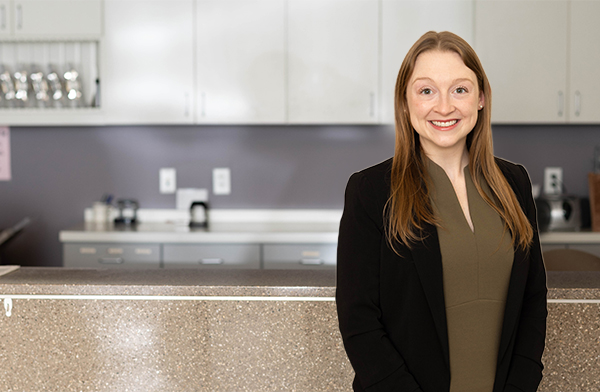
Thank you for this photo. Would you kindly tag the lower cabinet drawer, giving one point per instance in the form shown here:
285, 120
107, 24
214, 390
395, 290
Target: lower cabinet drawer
592, 249
211, 256
111, 255
302, 256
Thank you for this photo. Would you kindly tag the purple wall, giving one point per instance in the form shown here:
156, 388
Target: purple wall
59, 171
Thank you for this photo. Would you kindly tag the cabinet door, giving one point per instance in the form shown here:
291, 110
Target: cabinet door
5, 19
240, 61
58, 18
403, 22
299, 256
523, 48
584, 91
111, 255
332, 61
212, 256
148, 62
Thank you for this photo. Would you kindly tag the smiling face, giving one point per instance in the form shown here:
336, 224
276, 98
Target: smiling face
443, 100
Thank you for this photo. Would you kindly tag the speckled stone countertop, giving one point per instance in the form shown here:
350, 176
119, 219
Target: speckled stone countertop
573, 285
75, 330
32, 280
44, 280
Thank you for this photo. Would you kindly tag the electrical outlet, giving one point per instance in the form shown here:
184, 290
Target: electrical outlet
553, 180
221, 181
168, 180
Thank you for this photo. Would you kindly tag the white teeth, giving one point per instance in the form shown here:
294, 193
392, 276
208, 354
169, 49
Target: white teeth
444, 123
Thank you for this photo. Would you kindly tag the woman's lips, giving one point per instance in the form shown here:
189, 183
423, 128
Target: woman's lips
444, 125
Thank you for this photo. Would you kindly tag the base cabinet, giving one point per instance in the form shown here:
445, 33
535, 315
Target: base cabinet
211, 256
111, 256
571, 257
299, 256
199, 256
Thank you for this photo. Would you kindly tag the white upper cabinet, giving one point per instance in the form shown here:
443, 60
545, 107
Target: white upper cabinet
332, 61
240, 61
584, 91
148, 73
59, 18
5, 19
51, 19
523, 48
403, 22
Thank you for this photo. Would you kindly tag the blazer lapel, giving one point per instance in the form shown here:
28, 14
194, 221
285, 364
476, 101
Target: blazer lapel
428, 262
514, 298
517, 283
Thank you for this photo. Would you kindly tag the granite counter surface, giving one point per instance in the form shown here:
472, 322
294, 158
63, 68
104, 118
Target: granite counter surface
31, 280
76, 330
44, 280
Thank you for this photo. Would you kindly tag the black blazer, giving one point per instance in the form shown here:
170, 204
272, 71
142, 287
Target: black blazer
391, 309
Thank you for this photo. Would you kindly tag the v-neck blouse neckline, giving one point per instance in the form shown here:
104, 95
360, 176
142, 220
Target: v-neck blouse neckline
439, 176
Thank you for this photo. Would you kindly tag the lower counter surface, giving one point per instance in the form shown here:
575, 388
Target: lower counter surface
156, 330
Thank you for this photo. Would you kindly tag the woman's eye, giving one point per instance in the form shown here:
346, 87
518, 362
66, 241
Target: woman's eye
425, 91
461, 90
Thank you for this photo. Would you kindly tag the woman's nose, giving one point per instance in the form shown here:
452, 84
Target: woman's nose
444, 104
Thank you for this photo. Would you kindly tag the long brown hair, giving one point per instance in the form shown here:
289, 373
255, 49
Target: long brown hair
408, 208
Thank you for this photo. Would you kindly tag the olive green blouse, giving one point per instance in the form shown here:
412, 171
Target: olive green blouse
476, 267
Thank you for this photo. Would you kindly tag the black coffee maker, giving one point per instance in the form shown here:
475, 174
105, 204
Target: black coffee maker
199, 214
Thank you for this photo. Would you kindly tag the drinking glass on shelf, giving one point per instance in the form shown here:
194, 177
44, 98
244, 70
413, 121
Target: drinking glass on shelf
40, 87
55, 87
73, 87
7, 87
21, 77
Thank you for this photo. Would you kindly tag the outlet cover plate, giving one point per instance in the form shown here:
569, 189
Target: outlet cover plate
553, 180
221, 181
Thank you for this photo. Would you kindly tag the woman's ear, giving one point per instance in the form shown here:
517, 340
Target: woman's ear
481, 100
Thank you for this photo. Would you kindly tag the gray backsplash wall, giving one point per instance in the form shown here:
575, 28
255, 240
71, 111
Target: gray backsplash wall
59, 171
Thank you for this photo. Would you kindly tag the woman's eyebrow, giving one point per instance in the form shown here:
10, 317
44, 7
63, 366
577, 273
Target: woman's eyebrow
453, 82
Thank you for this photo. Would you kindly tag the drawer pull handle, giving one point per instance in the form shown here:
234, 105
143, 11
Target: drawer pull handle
561, 103
577, 103
211, 261
3, 17
111, 260
307, 261
19, 17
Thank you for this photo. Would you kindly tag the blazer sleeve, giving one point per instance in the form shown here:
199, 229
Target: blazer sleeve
378, 365
526, 367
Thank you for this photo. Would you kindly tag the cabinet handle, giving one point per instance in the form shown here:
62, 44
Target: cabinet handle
308, 261
211, 261
186, 111
577, 103
3, 16
372, 105
111, 260
561, 103
19, 16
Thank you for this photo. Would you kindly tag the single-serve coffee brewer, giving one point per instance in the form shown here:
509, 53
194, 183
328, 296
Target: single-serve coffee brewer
199, 214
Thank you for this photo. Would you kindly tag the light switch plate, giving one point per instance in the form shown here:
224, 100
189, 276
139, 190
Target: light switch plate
5, 172
168, 180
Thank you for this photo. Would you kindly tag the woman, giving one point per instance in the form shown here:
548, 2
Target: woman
440, 282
